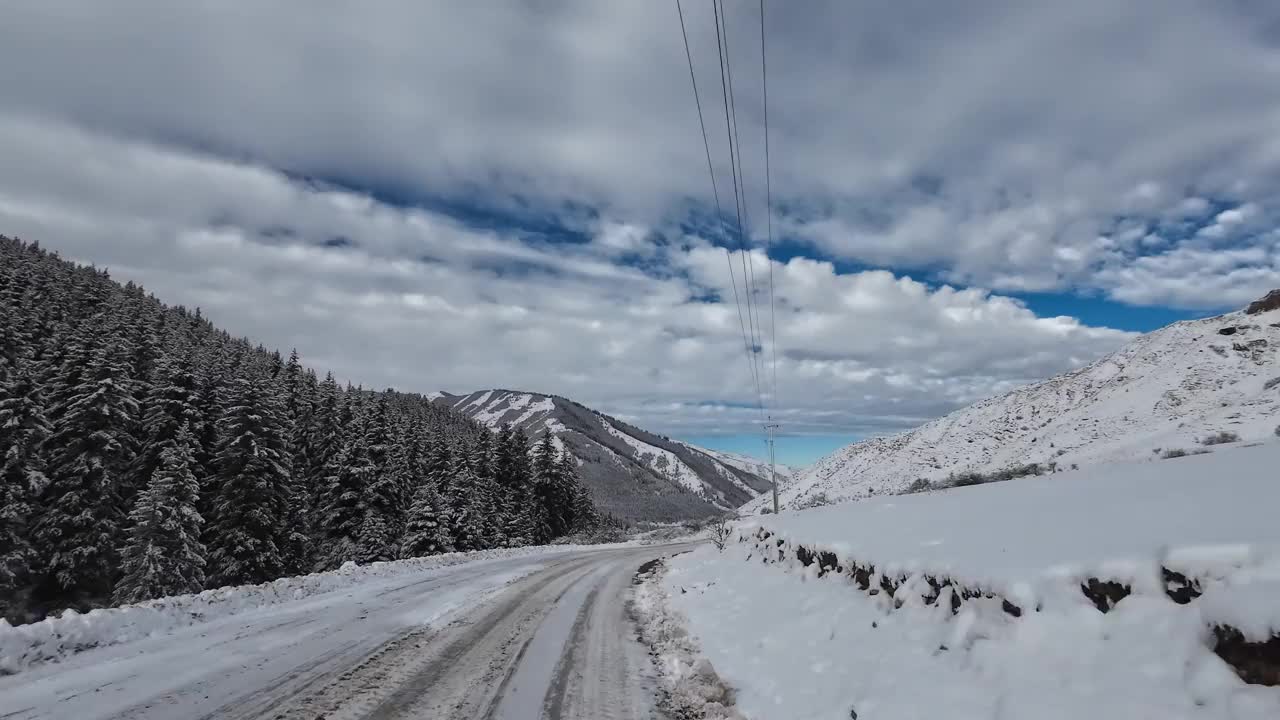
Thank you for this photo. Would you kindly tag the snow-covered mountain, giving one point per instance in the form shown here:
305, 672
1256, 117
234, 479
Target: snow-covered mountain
631, 473
1166, 390
756, 466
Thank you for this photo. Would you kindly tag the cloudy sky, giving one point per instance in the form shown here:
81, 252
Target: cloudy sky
446, 195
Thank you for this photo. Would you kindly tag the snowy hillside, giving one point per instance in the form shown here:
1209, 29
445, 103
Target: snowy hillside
1027, 599
1166, 390
631, 473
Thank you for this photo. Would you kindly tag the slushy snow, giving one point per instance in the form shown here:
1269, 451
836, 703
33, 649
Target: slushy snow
23, 646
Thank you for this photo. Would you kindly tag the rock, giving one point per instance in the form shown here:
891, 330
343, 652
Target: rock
1270, 301
1229, 330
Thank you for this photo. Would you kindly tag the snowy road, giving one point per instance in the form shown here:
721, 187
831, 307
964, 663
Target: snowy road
535, 637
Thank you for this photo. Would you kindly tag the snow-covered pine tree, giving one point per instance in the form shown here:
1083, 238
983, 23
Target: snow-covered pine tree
163, 555
248, 536
170, 405
343, 513
427, 530
57, 318
582, 512
296, 401
466, 527
515, 474
545, 472
486, 505
78, 532
381, 495
23, 427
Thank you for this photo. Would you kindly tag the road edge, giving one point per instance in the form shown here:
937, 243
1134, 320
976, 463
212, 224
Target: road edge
690, 686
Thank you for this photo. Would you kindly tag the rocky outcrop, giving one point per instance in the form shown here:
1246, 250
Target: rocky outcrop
1271, 301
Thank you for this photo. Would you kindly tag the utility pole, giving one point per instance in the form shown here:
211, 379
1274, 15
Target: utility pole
773, 473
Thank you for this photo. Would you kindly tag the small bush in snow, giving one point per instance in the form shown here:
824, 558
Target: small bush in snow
919, 485
721, 531
1221, 437
813, 501
1179, 452
966, 479
1278, 431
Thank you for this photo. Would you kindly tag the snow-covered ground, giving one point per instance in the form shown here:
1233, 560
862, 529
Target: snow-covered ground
797, 645
503, 635
56, 638
1167, 389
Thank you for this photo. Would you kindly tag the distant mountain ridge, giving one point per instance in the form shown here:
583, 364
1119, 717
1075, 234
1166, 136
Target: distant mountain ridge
1166, 390
631, 473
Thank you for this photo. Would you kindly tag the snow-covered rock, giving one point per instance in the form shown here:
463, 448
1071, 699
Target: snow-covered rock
1168, 389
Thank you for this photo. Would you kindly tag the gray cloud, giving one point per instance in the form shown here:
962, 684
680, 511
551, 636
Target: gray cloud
648, 346
1004, 145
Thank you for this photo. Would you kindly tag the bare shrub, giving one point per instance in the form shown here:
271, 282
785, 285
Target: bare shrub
721, 531
1179, 452
813, 501
919, 485
1221, 437
966, 479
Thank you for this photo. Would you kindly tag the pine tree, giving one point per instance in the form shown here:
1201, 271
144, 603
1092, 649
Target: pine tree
343, 515
248, 536
23, 427
381, 495
582, 512
164, 555
169, 406
299, 401
427, 531
466, 528
516, 476
546, 482
116, 373
326, 446
79, 530
486, 508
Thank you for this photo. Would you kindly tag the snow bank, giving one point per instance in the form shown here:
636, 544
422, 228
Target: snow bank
1210, 518
984, 601
26, 645
794, 646
691, 687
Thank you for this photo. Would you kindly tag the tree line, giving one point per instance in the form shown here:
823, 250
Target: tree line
146, 453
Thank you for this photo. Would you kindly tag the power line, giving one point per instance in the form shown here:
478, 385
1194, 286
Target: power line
738, 198
746, 345
768, 199
740, 187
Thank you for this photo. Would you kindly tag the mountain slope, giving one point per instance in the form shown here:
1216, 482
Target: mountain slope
1165, 390
786, 473
630, 472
